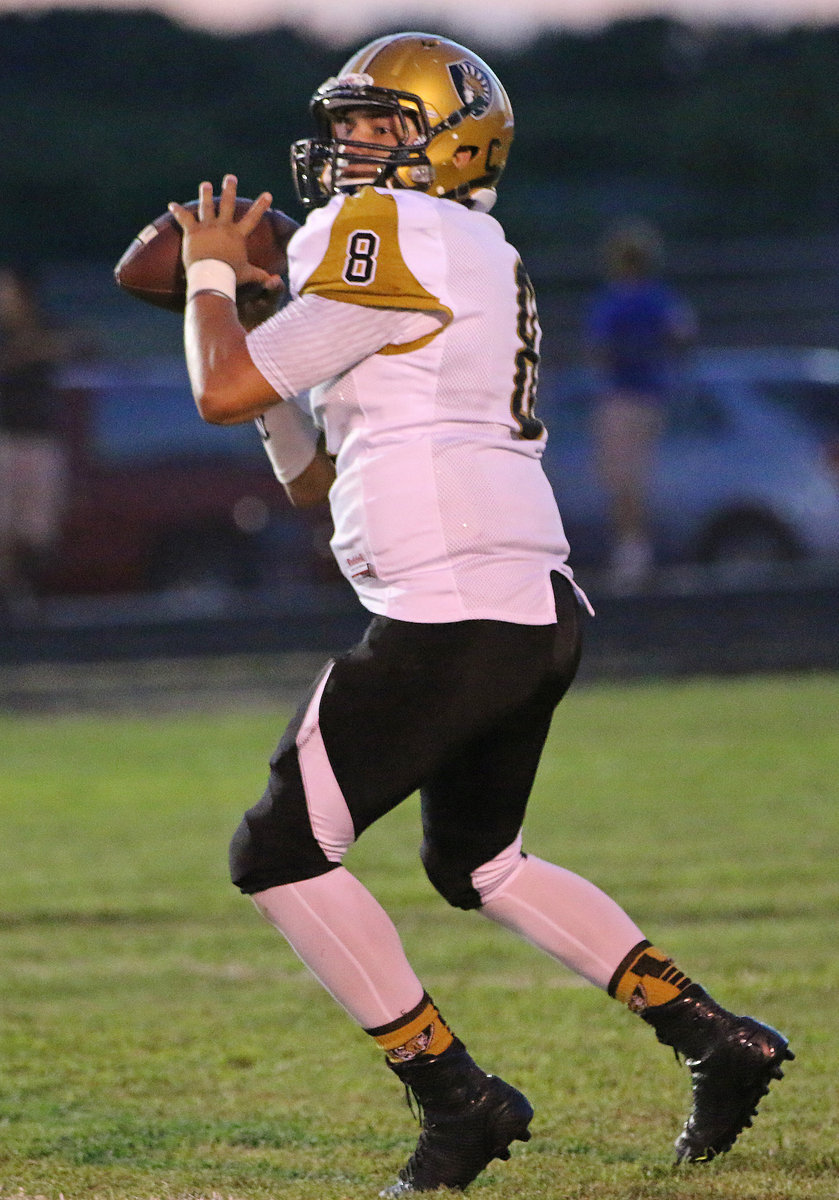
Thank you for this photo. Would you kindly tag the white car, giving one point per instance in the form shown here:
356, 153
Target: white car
747, 471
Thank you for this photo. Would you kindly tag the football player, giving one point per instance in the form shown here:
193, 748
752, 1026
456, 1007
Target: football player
412, 326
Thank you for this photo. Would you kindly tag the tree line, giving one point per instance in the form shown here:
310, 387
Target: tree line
105, 117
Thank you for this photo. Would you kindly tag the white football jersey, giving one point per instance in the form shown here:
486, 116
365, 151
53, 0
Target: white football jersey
441, 509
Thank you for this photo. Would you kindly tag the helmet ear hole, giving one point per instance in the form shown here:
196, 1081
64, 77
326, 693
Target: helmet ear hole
463, 155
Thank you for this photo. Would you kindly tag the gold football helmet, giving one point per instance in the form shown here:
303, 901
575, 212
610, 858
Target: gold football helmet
454, 118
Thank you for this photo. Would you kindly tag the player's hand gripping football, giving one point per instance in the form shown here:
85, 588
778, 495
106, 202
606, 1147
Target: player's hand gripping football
211, 234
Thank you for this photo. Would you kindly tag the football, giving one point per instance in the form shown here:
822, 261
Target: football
151, 268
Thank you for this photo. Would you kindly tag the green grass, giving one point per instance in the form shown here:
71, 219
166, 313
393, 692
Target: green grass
159, 1040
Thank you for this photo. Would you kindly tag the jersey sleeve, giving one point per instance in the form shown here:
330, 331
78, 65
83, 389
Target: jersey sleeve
313, 339
363, 262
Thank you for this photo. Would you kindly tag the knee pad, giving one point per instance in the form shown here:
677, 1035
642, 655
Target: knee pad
302, 826
284, 838
274, 845
465, 886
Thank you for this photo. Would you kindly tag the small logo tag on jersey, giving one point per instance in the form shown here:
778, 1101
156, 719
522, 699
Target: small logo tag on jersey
359, 567
471, 83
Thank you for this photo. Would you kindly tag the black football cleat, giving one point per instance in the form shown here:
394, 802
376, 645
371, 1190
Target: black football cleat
732, 1061
468, 1118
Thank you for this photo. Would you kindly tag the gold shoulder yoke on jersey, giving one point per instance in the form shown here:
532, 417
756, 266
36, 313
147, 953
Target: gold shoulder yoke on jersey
363, 264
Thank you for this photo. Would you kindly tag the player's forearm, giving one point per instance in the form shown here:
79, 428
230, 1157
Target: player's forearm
227, 387
312, 485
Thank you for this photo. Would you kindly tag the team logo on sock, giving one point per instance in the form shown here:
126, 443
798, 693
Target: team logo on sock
418, 1044
639, 1000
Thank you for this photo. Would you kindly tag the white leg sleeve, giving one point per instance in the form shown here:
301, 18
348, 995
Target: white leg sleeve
567, 917
348, 942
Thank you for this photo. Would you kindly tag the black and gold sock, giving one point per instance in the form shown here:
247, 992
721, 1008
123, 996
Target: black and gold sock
420, 1033
646, 978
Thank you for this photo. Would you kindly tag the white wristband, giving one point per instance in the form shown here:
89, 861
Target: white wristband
290, 439
210, 275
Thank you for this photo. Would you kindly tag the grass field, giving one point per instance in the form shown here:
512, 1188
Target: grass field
159, 1040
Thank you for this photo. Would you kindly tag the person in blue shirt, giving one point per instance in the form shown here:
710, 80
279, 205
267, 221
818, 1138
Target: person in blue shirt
635, 326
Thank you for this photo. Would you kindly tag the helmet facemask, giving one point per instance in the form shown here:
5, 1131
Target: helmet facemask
326, 165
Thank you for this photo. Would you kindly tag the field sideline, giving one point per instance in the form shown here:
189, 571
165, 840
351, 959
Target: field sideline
159, 1041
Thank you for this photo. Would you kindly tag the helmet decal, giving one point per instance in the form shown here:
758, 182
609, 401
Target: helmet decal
472, 84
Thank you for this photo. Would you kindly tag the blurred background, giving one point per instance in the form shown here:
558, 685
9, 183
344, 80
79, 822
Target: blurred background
719, 128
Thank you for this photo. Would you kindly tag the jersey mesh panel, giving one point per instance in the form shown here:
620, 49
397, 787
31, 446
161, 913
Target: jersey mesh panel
463, 369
